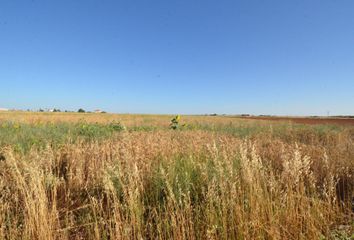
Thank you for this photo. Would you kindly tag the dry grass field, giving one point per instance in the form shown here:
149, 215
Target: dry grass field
106, 176
309, 120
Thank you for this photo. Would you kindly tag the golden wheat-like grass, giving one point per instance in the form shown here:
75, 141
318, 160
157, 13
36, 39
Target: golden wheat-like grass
191, 184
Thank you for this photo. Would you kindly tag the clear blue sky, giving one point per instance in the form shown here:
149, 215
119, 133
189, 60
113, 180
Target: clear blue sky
287, 57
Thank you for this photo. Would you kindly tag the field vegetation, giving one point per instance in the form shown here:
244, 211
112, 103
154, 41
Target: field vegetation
106, 176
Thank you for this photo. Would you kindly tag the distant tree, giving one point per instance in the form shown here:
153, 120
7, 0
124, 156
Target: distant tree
41, 110
56, 110
81, 110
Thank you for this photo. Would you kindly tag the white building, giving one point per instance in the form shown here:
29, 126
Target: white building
4, 109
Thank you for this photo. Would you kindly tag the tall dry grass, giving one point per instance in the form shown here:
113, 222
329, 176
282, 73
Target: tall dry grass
192, 184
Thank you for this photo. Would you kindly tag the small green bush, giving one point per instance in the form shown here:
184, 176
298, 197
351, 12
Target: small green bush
175, 122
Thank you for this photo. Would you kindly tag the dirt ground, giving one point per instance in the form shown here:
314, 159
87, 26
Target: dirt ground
308, 120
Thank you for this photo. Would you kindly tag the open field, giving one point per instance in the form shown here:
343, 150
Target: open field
308, 120
107, 176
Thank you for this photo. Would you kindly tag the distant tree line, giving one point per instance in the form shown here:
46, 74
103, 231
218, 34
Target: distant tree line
81, 110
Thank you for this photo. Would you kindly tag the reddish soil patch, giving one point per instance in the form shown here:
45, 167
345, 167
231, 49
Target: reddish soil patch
308, 120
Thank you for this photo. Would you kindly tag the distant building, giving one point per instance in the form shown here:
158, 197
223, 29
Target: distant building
98, 111
4, 109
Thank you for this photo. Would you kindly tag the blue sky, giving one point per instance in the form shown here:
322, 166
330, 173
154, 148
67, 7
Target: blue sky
183, 56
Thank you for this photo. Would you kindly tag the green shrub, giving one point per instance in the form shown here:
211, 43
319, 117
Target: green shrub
175, 122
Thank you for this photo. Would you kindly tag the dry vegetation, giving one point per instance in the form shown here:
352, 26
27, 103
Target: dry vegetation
84, 176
